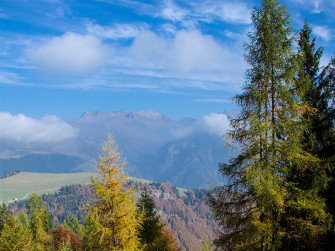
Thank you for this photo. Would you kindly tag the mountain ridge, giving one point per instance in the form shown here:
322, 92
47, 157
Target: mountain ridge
145, 138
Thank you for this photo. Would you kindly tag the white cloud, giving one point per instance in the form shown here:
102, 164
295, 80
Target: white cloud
148, 49
314, 3
208, 11
194, 51
49, 129
322, 31
214, 123
118, 31
317, 6
10, 78
186, 52
189, 54
69, 53
232, 12
173, 12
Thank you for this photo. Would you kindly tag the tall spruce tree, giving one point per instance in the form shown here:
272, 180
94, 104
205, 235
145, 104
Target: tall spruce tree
114, 219
326, 125
151, 226
318, 138
253, 206
318, 88
152, 232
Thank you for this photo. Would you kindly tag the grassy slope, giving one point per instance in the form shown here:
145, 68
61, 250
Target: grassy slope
20, 186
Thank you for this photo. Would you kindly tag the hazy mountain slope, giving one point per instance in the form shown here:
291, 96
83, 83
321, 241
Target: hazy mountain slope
191, 162
185, 152
58, 163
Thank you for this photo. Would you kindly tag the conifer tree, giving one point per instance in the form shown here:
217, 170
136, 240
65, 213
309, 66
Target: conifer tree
15, 235
315, 141
23, 219
66, 224
152, 232
90, 238
114, 213
4, 214
38, 218
318, 94
254, 207
151, 226
76, 227
325, 124
207, 245
319, 139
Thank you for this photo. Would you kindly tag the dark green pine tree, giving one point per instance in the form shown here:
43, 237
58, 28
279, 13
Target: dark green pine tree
325, 122
308, 183
151, 227
253, 206
319, 94
318, 138
323, 126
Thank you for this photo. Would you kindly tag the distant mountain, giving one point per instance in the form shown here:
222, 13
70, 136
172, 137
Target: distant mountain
185, 153
55, 163
190, 162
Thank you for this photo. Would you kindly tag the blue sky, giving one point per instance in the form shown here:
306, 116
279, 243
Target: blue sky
180, 58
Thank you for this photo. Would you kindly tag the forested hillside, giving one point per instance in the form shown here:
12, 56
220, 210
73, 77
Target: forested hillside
185, 213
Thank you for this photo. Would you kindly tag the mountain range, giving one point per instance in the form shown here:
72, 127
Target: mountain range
186, 153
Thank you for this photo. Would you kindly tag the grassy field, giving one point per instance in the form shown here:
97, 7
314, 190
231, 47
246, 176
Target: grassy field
21, 186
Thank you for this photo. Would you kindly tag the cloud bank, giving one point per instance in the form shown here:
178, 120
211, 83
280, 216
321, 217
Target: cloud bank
20, 128
70, 53
189, 54
232, 12
214, 123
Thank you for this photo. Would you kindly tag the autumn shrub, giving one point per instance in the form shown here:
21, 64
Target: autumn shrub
61, 235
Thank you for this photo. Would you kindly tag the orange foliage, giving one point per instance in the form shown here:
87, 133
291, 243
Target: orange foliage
62, 235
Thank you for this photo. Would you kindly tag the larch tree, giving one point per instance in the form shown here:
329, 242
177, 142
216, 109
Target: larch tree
76, 227
207, 245
113, 216
252, 207
15, 235
38, 221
